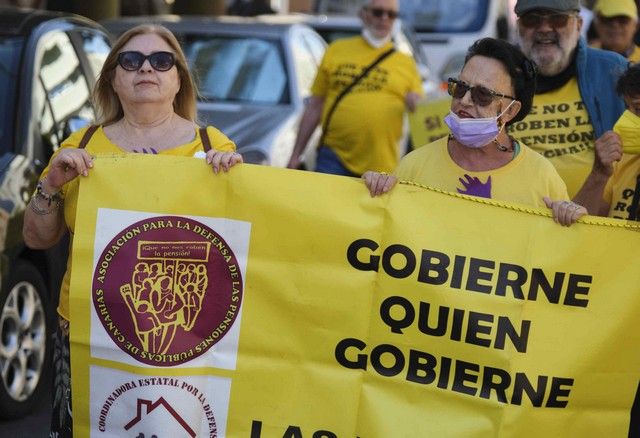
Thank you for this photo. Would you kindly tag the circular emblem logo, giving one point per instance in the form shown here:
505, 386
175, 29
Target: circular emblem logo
167, 289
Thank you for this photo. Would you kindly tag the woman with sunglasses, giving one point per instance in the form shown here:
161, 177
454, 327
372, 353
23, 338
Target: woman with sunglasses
479, 158
146, 103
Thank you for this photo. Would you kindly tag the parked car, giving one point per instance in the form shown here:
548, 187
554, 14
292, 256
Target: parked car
48, 65
253, 77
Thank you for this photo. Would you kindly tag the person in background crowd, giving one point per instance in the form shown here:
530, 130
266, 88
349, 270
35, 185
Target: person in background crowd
146, 103
614, 181
616, 23
575, 105
494, 90
361, 129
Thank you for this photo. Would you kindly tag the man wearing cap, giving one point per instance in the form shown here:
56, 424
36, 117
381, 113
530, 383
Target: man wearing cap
575, 105
616, 23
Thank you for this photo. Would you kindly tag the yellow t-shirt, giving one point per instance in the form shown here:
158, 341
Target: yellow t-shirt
633, 57
622, 185
366, 126
559, 128
526, 179
100, 144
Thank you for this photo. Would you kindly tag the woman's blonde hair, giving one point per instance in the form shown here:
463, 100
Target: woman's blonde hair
105, 98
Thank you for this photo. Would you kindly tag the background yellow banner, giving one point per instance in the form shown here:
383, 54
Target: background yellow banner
471, 318
426, 123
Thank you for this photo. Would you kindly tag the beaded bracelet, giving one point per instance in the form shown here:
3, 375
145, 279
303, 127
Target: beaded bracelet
49, 197
40, 211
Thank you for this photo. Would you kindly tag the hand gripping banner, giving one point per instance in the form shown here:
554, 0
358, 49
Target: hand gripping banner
276, 303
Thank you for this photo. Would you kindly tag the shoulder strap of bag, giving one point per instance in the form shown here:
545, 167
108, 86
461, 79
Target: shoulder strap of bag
350, 87
87, 136
206, 142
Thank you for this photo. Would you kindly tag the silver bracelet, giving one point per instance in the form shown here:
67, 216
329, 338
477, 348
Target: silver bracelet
49, 197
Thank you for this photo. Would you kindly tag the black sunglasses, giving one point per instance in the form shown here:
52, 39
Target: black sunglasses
379, 12
479, 95
160, 61
533, 20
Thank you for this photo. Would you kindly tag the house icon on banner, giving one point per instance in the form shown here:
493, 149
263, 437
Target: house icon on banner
158, 419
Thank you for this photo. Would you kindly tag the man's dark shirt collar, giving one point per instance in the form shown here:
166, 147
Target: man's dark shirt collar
551, 83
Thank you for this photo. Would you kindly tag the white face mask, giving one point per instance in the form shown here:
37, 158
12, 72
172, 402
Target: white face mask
474, 133
373, 40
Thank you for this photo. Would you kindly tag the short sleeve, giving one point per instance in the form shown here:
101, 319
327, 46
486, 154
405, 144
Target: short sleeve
219, 141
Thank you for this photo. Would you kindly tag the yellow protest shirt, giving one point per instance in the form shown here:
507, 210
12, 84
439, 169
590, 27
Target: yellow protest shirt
633, 56
100, 144
559, 128
366, 125
622, 185
525, 180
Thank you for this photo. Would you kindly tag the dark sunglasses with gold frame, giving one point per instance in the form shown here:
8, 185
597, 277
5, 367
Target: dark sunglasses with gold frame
480, 95
532, 20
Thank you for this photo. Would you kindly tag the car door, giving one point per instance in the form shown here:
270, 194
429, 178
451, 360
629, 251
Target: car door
308, 48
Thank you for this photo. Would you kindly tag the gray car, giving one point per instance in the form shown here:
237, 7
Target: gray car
253, 77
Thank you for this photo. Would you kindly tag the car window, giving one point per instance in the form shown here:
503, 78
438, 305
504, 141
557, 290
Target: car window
424, 15
444, 15
330, 35
10, 49
238, 69
96, 47
61, 93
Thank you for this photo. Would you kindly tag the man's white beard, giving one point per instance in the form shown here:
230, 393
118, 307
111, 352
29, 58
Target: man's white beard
373, 40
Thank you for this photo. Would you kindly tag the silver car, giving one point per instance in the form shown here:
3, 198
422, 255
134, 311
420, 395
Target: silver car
253, 77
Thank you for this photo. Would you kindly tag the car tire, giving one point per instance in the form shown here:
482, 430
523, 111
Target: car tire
25, 334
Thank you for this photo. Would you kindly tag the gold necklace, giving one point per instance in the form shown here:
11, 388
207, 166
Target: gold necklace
137, 146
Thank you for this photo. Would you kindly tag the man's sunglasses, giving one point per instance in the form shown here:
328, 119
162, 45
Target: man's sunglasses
160, 61
533, 20
480, 95
379, 12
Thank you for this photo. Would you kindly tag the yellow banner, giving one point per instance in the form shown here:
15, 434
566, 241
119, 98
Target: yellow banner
426, 123
279, 303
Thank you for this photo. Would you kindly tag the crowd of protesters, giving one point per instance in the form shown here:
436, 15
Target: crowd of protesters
577, 106
579, 93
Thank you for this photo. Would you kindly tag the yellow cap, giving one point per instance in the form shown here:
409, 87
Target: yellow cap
614, 8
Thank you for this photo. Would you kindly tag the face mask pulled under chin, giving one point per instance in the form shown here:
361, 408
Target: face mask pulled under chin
373, 40
474, 133
628, 128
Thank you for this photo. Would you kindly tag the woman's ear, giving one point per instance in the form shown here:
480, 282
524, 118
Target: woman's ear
511, 112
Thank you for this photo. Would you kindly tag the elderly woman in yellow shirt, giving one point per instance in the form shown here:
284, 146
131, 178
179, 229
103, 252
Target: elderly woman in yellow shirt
478, 158
146, 101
